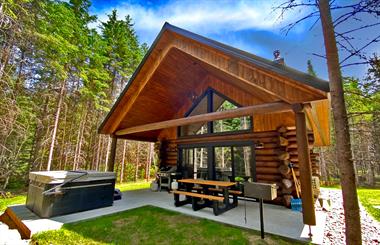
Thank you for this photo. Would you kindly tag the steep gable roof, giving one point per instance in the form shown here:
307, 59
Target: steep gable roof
257, 60
167, 46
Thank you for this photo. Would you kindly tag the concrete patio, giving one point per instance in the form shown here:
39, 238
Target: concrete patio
278, 220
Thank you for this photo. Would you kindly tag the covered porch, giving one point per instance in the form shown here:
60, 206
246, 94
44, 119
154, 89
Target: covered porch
202, 101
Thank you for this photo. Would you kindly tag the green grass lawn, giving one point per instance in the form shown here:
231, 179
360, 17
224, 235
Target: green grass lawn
130, 186
5, 202
152, 225
370, 198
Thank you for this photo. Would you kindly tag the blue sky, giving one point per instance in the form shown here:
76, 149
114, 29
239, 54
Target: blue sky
248, 25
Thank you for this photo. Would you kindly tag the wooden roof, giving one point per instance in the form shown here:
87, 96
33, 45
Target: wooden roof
178, 67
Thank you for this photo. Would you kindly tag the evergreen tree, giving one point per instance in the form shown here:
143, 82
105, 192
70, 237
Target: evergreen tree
310, 69
122, 49
56, 78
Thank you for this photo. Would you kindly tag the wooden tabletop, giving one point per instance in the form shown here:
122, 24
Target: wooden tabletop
208, 182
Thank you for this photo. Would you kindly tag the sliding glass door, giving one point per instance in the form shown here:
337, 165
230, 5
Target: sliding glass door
194, 162
217, 161
223, 162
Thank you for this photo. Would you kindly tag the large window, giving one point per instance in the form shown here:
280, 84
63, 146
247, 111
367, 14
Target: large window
194, 162
230, 124
218, 161
212, 101
242, 160
198, 128
223, 163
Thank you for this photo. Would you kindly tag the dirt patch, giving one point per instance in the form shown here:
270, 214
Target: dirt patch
174, 220
120, 223
256, 239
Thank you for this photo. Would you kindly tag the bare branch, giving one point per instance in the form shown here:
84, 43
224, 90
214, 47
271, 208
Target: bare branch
361, 7
360, 28
292, 25
355, 63
319, 55
357, 52
290, 5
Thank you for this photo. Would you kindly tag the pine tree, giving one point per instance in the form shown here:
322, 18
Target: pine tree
310, 69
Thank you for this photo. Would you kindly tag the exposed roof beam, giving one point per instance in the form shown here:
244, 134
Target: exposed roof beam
239, 112
143, 74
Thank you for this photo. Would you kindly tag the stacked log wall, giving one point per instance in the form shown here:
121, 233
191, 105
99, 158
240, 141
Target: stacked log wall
279, 148
168, 153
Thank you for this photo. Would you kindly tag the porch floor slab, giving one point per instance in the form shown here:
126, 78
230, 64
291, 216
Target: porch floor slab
278, 220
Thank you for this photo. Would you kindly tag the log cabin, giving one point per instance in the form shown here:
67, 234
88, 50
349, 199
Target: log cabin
217, 112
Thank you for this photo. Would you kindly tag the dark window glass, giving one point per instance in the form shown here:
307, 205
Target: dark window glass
223, 163
194, 162
242, 161
213, 102
198, 128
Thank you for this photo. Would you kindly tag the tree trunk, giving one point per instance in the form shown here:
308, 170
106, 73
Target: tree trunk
222, 148
195, 158
137, 161
123, 161
201, 153
247, 164
376, 137
39, 136
149, 162
63, 146
323, 165
91, 151
108, 153
98, 149
112, 156
247, 154
342, 136
5, 56
77, 146
201, 158
371, 174
79, 153
56, 121
354, 160
102, 139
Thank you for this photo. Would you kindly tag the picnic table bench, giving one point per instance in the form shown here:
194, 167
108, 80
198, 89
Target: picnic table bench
208, 191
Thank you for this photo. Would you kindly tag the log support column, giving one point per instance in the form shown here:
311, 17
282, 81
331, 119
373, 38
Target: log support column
308, 209
112, 156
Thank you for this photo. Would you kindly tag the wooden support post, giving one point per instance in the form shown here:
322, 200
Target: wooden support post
112, 156
304, 166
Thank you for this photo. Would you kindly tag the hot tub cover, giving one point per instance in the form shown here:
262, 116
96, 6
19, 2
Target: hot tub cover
58, 177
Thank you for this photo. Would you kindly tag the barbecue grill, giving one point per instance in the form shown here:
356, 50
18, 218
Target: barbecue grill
166, 175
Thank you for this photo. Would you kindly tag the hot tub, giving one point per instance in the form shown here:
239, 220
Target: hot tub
53, 193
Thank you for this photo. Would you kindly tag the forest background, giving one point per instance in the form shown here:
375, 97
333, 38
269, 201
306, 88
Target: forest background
59, 77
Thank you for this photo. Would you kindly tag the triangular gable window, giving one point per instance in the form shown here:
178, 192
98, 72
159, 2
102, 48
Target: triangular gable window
212, 101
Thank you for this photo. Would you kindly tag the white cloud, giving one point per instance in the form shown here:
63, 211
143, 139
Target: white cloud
203, 17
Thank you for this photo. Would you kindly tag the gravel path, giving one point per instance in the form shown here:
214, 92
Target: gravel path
334, 229
10, 237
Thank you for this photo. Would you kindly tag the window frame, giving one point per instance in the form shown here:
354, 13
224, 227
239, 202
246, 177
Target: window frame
210, 125
211, 166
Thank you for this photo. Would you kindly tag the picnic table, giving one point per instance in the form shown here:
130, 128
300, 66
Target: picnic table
209, 191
